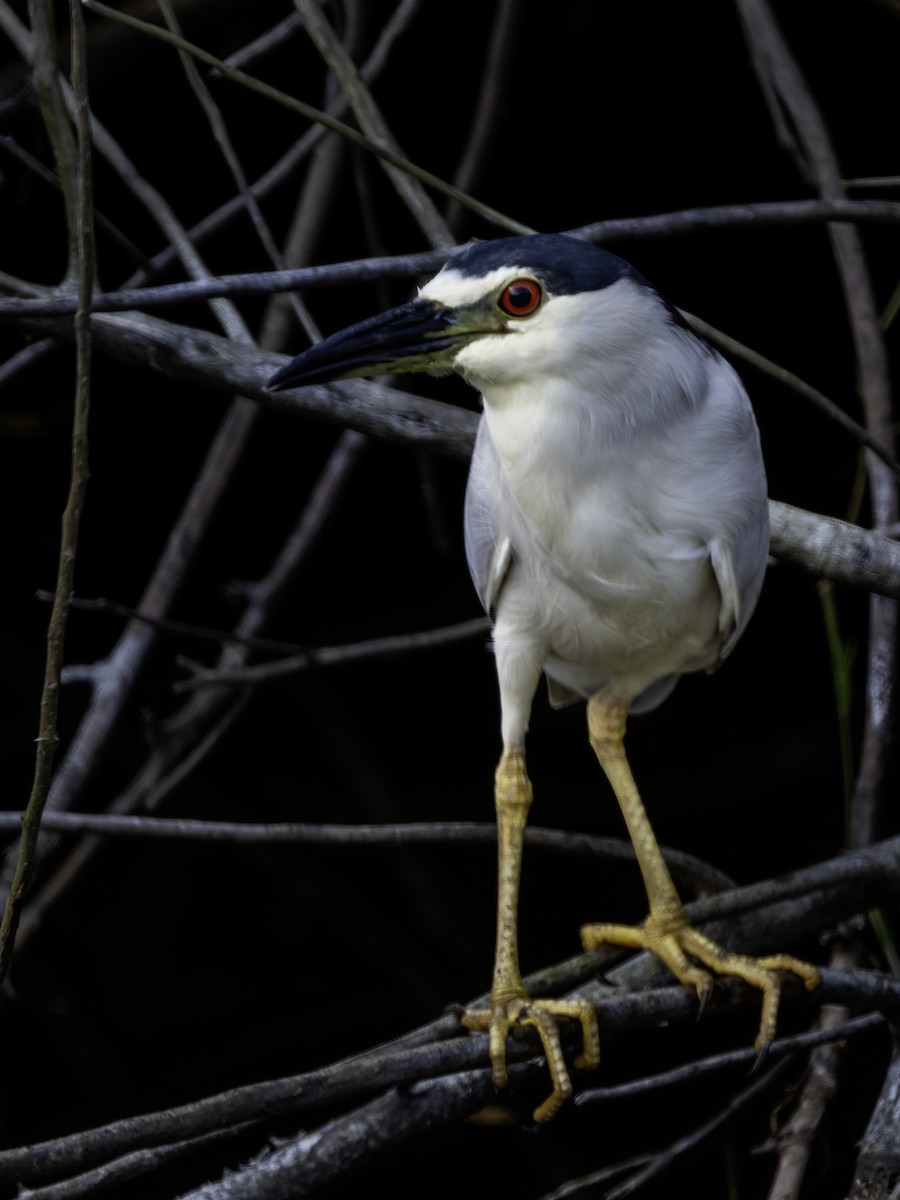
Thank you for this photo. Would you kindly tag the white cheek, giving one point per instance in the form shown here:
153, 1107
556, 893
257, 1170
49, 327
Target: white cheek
540, 346
491, 359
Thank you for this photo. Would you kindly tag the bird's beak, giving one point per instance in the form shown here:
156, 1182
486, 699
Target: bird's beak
420, 335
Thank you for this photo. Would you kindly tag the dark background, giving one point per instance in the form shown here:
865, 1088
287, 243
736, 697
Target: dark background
174, 970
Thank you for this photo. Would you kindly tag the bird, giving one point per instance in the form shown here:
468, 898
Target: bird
616, 532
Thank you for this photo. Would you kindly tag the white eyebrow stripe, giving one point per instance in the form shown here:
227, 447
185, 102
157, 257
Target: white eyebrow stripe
454, 289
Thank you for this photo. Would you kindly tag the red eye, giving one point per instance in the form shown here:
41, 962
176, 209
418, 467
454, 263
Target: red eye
520, 298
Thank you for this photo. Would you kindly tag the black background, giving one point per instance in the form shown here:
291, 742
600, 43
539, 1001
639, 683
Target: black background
175, 970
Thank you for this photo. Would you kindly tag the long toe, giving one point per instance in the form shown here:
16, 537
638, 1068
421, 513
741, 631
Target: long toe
676, 945
544, 1016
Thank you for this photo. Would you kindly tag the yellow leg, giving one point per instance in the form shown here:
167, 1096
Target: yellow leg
511, 1007
667, 932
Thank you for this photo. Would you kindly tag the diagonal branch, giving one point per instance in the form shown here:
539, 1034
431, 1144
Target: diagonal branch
373, 124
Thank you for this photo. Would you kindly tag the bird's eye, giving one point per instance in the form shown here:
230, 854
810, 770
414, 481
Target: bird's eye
520, 298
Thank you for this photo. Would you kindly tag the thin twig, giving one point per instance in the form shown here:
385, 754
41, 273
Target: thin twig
331, 656
498, 63
222, 139
823, 1035
867, 874
177, 628
407, 266
265, 43
37, 168
666, 1158
697, 876
795, 384
408, 187
81, 269
736, 216
26, 358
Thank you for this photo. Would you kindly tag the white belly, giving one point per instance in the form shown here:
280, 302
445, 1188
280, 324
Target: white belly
621, 632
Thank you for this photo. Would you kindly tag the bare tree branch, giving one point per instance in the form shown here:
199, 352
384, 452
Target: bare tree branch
373, 124
817, 157
76, 173
408, 266
879, 1155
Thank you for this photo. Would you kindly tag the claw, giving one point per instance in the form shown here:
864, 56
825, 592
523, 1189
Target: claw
543, 1015
762, 1053
704, 993
671, 938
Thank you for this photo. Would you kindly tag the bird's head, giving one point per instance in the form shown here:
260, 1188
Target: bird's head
498, 310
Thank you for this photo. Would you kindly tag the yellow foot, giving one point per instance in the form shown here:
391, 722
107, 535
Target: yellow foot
521, 1010
671, 938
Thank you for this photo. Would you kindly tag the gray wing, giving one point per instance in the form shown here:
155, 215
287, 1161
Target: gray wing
488, 547
739, 554
739, 572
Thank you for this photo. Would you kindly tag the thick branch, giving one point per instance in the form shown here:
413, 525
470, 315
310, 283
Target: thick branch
821, 545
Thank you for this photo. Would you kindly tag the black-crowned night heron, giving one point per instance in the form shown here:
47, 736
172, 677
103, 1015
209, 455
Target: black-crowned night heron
616, 529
